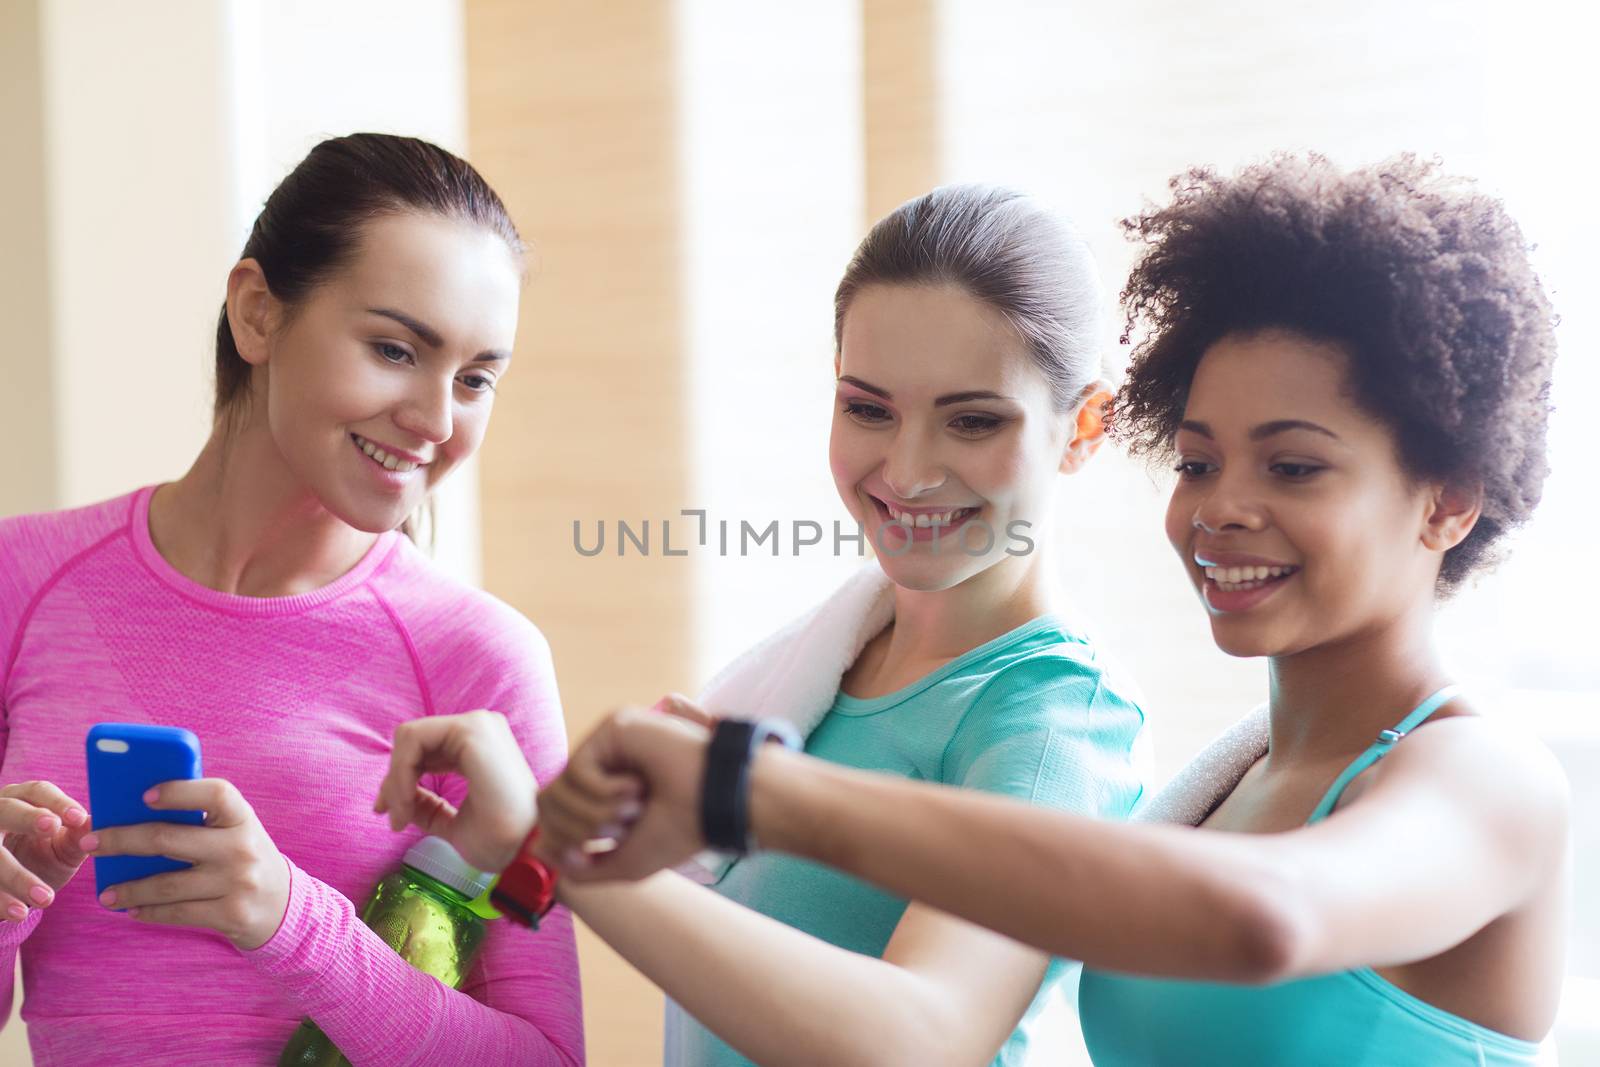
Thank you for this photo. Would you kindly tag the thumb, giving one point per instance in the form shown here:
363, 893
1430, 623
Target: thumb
433, 814
676, 704
65, 848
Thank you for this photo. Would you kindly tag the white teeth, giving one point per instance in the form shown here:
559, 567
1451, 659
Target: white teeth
393, 463
924, 520
1234, 579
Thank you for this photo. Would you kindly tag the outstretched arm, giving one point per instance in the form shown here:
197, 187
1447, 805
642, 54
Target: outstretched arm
1380, 882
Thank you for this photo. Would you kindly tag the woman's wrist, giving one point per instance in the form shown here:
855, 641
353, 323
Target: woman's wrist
778, 799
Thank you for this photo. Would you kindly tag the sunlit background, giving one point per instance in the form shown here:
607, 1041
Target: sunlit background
692, 175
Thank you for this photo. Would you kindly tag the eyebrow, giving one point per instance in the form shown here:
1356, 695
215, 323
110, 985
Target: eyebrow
431, 337
1262, 432
948, 398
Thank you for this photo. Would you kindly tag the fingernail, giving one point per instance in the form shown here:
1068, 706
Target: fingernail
74, 816
133, 912
16, 912
152, 795
88, 842
45, 823
40, 894
109, 897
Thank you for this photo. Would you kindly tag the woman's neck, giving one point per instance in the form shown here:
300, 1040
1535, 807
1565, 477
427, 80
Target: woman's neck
239, 522
934, 627
1333, 700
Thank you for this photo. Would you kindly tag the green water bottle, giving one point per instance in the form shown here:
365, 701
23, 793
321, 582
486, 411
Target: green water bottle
426, 912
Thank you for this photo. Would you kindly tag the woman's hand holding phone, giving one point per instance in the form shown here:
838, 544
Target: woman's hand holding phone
44, 830
239, 882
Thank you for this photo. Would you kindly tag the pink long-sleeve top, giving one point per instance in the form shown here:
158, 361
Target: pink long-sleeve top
295, 701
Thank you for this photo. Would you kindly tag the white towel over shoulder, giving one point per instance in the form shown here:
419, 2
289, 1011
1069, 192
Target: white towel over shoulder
1196, 790
794, 674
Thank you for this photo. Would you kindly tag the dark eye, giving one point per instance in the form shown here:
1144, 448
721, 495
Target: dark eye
975, 424
864, 412
392, 353
1193, 468
483, 384
1296, 471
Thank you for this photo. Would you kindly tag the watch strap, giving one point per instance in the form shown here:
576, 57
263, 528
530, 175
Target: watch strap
725, 793
526, 889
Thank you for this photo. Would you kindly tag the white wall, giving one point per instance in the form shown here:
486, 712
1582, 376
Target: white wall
772, 163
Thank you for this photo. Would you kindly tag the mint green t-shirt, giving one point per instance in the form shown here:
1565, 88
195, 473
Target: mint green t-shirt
1031, 714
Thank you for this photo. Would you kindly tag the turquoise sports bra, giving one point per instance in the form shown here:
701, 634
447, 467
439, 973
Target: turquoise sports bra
1347, 1019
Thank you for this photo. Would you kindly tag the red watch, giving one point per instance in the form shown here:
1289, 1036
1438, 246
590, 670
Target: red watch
525, 890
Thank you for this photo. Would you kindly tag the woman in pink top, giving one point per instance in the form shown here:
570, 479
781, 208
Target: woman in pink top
267, 601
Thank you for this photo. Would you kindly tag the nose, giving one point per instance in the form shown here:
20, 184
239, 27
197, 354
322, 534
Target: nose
911, 469
1228, 504
426, 410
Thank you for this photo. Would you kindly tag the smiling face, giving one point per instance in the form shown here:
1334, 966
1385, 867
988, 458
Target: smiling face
380, 383
1292, 514
944, 433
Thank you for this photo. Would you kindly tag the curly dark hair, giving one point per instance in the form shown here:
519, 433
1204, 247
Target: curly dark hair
1424, 282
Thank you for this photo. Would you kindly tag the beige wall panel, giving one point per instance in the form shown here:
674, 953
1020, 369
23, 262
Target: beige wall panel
900, 47
571, 113
27, 412
140, 174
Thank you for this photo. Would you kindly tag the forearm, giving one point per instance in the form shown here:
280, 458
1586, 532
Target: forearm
777, 995
340, 973
1144, 899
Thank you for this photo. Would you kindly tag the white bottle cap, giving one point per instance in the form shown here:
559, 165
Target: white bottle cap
436, 858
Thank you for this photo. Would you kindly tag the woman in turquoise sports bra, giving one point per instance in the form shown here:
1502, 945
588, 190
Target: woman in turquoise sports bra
1351, 374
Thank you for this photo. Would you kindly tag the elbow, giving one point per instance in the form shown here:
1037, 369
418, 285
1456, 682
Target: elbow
957, 1039
926, 1031
889, 1048
922, 1052
1274, 934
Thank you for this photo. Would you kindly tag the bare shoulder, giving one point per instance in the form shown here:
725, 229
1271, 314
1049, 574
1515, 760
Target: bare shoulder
1489, 766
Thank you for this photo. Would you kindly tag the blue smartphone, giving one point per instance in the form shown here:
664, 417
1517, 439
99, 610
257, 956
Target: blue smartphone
125, 759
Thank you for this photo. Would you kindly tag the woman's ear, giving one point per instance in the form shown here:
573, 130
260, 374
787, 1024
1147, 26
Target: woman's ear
1089, 426
251, 306
1453, 511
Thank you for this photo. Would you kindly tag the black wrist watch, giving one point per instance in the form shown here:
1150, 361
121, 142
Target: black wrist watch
725, 793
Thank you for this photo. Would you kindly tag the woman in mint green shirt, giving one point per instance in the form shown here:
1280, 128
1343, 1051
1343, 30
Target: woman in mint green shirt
969, 381
1030, 715
1351, 374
